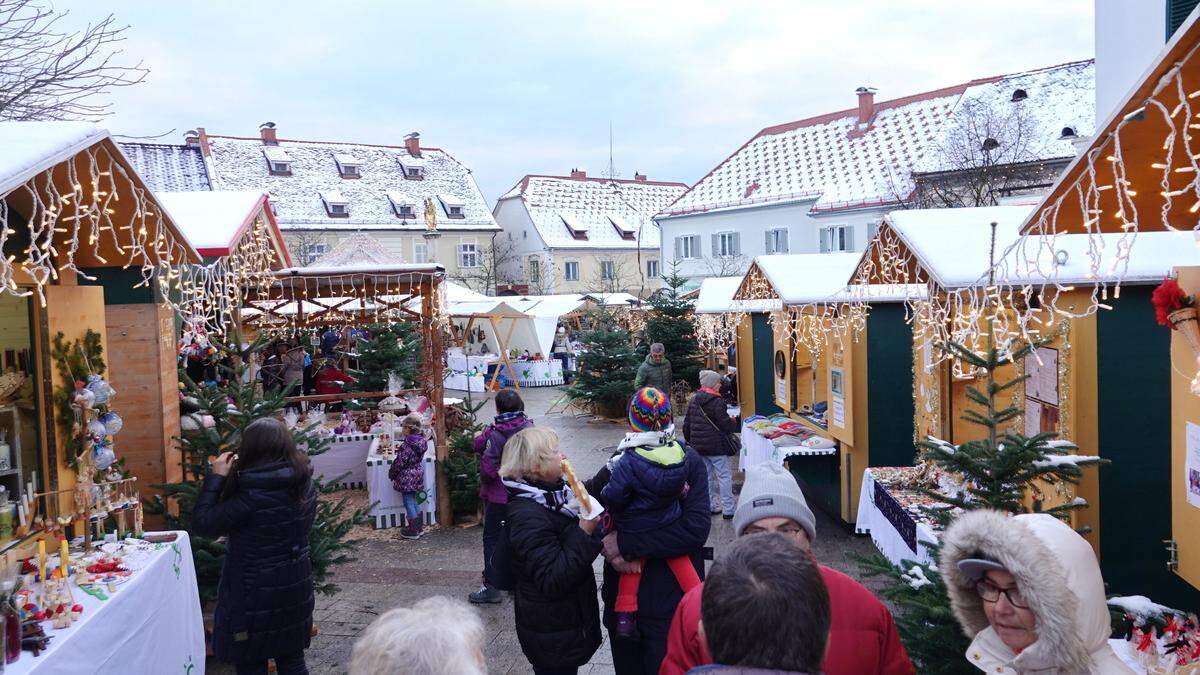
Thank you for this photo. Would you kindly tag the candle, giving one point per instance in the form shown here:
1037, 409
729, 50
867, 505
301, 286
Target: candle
63, 555
42, 559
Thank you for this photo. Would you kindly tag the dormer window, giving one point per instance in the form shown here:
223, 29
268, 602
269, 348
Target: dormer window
1019, 95
413, 168
402, 205
453, 206
336, 205
623, 228
279, 162
348, 165
1067, 134
576, 227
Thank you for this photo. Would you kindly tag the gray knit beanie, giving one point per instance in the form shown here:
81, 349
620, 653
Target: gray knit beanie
710, 378
770, 491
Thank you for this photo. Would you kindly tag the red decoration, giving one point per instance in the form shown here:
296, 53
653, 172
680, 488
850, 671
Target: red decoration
1167, 298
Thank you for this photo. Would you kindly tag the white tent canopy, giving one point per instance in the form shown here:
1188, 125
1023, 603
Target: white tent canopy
536, 316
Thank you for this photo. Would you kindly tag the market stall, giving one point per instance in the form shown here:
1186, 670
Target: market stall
890, 510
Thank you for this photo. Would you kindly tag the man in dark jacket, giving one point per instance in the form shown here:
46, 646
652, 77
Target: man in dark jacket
489, 444
655, 371
659, 589
862, 639
707, 426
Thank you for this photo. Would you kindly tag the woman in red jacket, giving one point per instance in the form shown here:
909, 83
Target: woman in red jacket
330, 379
862, 637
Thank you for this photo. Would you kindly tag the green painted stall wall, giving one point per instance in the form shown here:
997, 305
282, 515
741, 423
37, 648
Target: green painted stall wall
764, 370
1134, 407
120, 285
890, 407
818, 477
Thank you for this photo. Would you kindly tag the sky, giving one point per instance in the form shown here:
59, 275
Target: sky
513, 87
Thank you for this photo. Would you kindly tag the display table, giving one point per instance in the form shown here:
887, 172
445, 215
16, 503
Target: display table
347, 454
387, 505
541, 373
891, 515
152, 624
756, 450
467, 373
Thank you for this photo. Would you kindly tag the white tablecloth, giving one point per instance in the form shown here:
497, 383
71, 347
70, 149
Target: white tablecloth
543, 373
467, 373
887, 538
756, 450
347, 454
152, 624
387, 505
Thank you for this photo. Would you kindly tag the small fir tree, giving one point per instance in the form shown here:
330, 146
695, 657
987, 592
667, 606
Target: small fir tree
607, 366
462, 464
391, 348
996, 472
669, 321
233, 405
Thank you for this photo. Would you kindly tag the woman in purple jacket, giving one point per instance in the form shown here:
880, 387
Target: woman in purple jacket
510, 418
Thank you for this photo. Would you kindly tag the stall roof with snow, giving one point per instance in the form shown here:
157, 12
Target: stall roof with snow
800, 278
216, 222
716, 296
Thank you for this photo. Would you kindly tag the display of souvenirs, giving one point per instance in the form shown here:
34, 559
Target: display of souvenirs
393, 402
784, 432
1174, 650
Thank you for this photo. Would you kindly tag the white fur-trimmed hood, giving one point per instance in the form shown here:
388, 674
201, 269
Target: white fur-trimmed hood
1055, 569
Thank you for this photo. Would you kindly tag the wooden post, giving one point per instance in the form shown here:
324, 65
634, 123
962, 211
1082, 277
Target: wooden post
504, 348
433, 370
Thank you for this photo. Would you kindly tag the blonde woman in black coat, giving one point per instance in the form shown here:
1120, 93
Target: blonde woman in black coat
263, 499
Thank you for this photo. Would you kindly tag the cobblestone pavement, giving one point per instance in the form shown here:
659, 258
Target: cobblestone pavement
390, 572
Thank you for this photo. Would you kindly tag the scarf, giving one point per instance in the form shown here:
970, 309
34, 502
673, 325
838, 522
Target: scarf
560, 499
509, 416
648, 439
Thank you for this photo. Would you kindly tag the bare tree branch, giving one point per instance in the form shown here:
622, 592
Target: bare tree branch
47, 73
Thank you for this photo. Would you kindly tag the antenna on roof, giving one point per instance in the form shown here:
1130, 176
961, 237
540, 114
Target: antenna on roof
612, 168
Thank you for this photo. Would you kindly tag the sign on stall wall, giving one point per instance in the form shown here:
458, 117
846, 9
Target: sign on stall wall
1192, 465
837, 385
781, 387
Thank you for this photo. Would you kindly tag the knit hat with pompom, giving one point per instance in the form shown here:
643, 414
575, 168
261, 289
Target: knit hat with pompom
650, 410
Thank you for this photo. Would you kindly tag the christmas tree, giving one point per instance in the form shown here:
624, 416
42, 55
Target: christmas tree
607, 366
995, 472
233, 405
669, 321
461, 463
391, 348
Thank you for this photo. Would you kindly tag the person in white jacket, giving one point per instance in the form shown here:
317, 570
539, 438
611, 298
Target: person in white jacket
1027, 589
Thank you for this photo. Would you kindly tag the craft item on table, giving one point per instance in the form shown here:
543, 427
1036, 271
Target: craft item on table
41, 552
818, 442
101, 390
393, 402
33, 638
94, 591
346, 425
291, 418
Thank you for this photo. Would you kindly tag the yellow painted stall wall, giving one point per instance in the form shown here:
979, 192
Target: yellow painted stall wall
745, 365
71, 310
1185, 409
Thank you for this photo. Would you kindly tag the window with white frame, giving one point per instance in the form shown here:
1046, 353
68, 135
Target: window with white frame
608, 270
726, 245
777, 240
535, 270
837, 238
571, 270
687, 246
420, 251
652, 269
468, 255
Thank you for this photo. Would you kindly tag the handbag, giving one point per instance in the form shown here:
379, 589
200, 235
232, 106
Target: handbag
733, 440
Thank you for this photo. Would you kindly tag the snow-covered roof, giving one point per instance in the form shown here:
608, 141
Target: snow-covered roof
952, 246
239, 165
803, 278
1054, 99
276, 154
357, 249
458, 293
832, 161
28, 148
168, 168
345, 159
333, 197
613, 299
547, 305
212, 221
588, 212
716, 297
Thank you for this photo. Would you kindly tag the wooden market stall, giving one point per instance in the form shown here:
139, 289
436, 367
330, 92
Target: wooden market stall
302, 297
81, 232
843, 376
1097, 369
1138, 175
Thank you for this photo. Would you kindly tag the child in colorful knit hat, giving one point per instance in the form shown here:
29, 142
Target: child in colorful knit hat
649, 479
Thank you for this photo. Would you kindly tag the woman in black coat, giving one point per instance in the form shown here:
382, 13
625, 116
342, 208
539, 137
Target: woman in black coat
547, 551
264, 500
706, 427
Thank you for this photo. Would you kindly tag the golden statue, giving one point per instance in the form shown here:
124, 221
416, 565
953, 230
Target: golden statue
430, 215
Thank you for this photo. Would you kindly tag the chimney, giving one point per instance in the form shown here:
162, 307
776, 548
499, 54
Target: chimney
412, 143
267, 131
639, 177
191, 137
578, 173
866, 105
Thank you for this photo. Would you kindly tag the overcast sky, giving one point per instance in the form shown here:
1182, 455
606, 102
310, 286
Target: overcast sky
512, 87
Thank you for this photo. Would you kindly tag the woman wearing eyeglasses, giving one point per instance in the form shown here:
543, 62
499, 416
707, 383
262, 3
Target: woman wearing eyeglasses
1028, 590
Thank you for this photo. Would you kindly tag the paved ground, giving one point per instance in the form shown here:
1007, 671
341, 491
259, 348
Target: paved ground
392, 572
